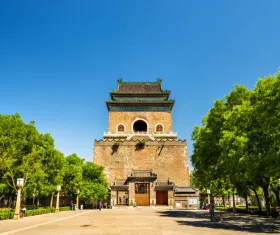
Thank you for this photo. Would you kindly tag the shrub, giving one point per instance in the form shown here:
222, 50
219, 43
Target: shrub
65, 208
140, 145
7, 215
115, 147
239, 209
38, 211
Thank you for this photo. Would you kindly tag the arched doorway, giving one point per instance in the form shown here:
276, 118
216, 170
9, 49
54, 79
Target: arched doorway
140, 126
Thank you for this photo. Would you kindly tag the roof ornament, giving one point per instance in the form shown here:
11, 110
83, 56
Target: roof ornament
120, 81
159, 80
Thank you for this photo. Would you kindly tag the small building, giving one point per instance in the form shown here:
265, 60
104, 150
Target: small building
145, 162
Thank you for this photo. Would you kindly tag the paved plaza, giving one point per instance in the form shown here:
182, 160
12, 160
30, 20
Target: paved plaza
139, 221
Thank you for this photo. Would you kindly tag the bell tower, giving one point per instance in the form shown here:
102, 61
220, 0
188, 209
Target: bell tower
140, 109
144, 161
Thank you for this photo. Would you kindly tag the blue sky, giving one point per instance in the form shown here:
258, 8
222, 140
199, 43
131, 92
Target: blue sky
59, 59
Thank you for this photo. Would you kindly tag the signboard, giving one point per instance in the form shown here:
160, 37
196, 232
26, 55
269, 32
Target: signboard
178, 204
193, 201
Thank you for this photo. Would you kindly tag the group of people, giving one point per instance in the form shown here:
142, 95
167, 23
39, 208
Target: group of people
275, 212
73, 206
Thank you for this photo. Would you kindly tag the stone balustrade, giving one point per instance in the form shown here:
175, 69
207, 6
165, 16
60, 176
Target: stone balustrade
129, 135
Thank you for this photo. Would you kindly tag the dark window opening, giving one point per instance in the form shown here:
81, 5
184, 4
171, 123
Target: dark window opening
159, 128
141, 188
140, 126
121, 127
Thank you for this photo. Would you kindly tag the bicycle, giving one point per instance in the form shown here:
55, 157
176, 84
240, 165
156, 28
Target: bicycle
217, 218
22, 213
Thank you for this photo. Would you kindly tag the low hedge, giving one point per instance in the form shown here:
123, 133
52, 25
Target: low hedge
9, 213
230, 209
239, 209
65, 208
39, 211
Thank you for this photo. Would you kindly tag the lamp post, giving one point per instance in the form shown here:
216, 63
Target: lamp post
208, 192
77, 199
20, 182
33, 194
57, 199
233, 200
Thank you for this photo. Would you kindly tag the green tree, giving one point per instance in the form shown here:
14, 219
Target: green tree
73, 175
19, 150
55, 166
239, 139
94, 185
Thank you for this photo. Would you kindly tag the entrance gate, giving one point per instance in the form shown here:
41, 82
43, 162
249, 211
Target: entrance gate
142, 194
162, 197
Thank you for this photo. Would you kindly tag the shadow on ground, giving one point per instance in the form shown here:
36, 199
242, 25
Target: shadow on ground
235, 222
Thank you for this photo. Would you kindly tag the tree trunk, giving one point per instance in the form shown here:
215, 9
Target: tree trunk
277, 196
51, 202
223, 198
246, 201
38, 202
266, 197
258, 200
229, 200
9, 203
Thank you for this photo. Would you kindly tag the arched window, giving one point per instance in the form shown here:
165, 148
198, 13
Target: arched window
120, 127
159, 128
140, 126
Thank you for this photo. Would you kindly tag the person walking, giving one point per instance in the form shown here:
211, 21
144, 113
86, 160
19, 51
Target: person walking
71, 205
211, 211
100, 205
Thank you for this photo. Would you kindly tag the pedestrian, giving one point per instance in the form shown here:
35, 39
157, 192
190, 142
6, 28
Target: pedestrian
100, 205
71, 204
82, 206
211, 211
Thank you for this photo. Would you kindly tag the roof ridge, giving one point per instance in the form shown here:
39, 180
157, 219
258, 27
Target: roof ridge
159, 81
137, 139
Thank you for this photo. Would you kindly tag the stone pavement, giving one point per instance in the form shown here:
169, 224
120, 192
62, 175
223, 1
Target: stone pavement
143, 220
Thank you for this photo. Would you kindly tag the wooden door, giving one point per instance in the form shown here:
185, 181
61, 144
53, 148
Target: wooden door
162, 198
142, 194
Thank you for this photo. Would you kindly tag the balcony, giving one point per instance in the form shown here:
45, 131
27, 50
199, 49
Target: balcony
129, 135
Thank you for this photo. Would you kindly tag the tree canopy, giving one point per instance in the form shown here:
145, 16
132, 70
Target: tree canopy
238, 142
26, 153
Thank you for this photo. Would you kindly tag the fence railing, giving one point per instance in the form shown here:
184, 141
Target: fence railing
129, 135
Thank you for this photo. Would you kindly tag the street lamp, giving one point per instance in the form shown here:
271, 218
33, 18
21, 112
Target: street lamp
77, 199
233, 200
208, 192
20, 183
33, 194
57, 199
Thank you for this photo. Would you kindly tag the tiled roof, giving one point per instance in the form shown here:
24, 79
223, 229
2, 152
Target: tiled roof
142, 173
119, 187
185, 190
139, 87
164, 187
119, 182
